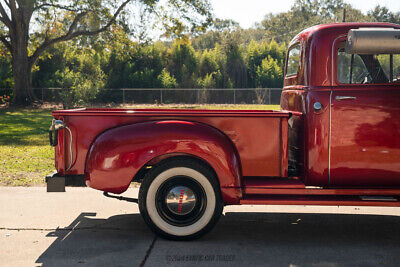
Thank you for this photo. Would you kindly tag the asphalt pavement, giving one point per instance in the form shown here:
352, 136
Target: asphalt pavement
83, 228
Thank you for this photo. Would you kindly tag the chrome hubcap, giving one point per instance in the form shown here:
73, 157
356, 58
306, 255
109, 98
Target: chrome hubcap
180, 200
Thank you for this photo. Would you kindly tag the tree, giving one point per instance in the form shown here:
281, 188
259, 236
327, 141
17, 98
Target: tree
183, 62
269, 74
30, 27
225, 25
208, 62
235, 67
256, 54
382, 14
305, 13
167, 81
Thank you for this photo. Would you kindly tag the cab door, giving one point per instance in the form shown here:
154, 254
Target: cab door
365, 122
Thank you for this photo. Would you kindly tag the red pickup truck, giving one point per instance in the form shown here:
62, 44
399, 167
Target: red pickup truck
336, 140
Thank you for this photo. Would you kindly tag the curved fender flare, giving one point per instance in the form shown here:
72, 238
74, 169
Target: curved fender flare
118, 154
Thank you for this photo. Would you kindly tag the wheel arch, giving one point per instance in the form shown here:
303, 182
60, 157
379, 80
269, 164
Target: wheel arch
169, 157
121, 155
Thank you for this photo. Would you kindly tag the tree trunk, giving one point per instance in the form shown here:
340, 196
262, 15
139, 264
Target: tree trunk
21, 63
22, 93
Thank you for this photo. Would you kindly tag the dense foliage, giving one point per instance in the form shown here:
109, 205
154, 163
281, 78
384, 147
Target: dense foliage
128, 64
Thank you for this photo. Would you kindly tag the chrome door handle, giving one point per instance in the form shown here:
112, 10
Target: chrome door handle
343, 97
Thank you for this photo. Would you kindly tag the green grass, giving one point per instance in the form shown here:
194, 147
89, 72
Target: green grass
25, 154
26, 157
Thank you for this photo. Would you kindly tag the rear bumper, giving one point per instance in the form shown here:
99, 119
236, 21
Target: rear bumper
57, 183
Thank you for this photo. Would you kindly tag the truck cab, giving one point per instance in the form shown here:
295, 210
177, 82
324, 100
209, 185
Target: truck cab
336, 140
348, 134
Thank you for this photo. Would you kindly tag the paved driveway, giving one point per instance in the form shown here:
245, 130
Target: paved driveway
82, 227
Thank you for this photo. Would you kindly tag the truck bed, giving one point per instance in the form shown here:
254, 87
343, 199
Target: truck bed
259, 136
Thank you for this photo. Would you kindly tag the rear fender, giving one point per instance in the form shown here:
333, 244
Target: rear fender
116, 155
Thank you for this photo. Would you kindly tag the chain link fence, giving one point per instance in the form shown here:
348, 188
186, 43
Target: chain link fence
262, 96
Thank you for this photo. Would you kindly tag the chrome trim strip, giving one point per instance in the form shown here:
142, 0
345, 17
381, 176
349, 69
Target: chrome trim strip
330, 108
71, 157
330, 136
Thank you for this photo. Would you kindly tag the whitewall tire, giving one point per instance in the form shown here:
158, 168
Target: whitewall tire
180, 199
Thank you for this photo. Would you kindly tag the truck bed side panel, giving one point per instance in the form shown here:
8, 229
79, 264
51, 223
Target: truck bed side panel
255, 134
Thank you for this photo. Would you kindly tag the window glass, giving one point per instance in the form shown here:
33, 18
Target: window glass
384, 61
367, 69
359, 73
293, 61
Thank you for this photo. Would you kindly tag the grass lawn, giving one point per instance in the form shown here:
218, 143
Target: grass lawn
25, 154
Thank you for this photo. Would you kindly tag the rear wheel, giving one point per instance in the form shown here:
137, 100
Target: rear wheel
180, 199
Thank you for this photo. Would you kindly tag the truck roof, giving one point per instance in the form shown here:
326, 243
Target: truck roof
317, 48
329, 29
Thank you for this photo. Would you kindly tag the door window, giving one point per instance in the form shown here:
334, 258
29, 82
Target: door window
351, 69
384, 60
367, 69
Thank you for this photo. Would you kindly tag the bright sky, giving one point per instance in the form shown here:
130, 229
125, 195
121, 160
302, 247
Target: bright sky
247, 12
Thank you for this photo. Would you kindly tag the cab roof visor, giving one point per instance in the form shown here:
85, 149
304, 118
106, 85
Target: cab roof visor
370, 41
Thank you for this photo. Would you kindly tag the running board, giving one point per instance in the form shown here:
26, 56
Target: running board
317, 200
293, 186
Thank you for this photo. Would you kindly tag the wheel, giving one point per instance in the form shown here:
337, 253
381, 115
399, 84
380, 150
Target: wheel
180, 199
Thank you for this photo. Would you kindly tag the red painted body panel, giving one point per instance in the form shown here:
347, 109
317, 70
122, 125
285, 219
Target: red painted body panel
316, 201
365, 139
322, 191
309, 133
273, 183
118, 154
262, 151
258, 157
316, 138
294, 186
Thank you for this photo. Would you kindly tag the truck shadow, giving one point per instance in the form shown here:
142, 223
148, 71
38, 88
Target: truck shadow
239, 238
